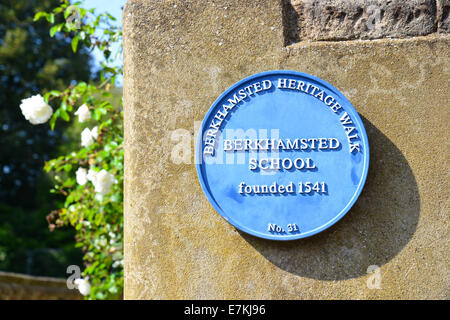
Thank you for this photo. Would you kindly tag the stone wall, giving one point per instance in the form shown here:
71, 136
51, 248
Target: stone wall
15, 286
180, 56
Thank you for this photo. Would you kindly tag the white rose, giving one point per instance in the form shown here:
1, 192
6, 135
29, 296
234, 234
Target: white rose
91, 175
88, 136
103, 181
81, 176
36, 110
83, 286
94, 132
83, 113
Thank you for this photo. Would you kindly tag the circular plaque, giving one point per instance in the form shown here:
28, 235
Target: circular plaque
282, 155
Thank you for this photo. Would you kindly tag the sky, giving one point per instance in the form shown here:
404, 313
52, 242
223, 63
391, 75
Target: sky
113, 7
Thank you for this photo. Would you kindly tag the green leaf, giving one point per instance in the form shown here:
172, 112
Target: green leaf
87, 42
69, 199
75, 43
111, 70
55, 29
83, 12
64, 115
49, 165
98, 218
82, 86
73, 219
55, 93
57, 10
111, 17
39, 15
50, 18
82, 153
53, 119
107, 53
97, 115
64, 105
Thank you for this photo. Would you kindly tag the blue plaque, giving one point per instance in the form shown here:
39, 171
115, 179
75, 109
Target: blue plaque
282, 155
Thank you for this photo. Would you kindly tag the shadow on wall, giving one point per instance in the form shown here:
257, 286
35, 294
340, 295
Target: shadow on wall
380, 224
290, 23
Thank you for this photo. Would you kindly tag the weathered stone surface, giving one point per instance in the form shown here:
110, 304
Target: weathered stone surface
179, 56
15, 286
361, 19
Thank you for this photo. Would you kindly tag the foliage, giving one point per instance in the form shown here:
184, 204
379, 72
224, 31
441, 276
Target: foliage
31, 62
96, 217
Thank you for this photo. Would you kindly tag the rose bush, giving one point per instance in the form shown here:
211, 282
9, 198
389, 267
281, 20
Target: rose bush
90, 178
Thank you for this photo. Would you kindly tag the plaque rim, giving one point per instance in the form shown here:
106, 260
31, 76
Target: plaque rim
347, 104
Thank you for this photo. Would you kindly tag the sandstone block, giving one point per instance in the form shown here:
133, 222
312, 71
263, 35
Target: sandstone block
360, 19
